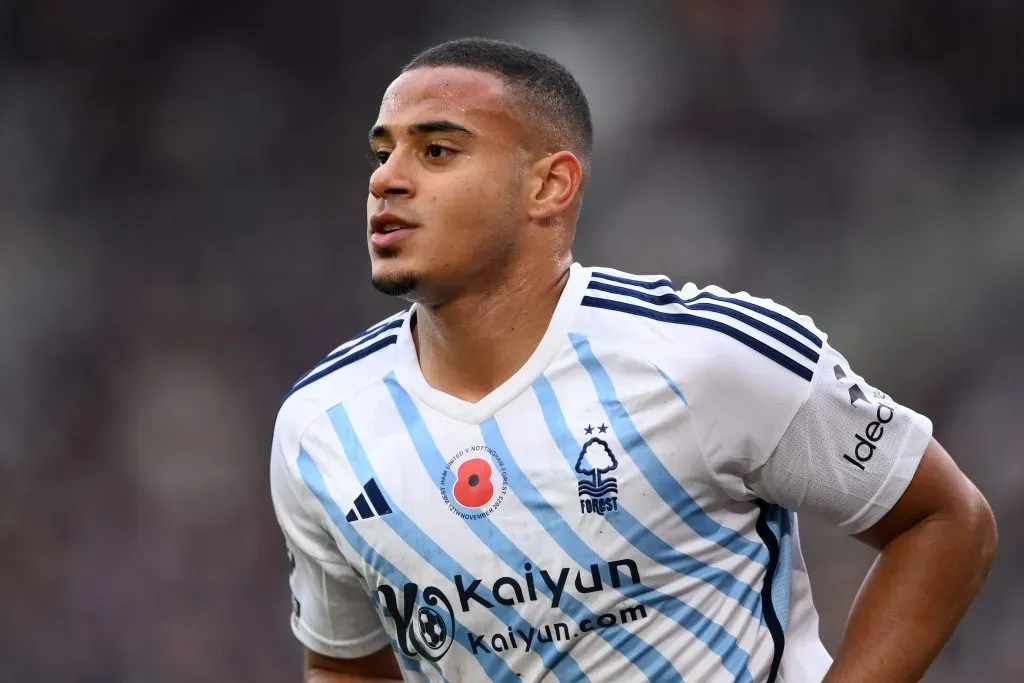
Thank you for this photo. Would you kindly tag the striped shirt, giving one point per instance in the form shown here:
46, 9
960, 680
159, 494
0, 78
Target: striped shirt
622, 509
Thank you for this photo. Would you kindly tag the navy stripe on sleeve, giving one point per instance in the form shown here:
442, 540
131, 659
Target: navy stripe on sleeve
673, 298
646, 284
707, 323
767, 312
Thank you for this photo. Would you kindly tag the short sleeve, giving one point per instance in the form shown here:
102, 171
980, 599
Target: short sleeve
332, 613
780, 415
848, 454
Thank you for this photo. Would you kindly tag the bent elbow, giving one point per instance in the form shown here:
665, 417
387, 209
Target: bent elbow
987, 531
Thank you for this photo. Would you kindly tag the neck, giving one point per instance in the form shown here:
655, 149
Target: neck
473, 343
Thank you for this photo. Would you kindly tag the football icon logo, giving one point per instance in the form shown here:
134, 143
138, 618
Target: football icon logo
433, 631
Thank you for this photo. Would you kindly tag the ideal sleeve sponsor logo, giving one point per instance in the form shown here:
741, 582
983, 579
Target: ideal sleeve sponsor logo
425, 625
864, 444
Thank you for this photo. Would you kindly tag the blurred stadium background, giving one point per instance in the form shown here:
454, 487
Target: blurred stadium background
181, 235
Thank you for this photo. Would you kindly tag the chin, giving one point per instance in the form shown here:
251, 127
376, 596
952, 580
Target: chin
400, 282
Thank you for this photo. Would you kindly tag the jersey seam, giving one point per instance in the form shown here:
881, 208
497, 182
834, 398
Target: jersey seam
294, 478
799, 406
297, 492
323, 592
348, 397
787, 424
323, 517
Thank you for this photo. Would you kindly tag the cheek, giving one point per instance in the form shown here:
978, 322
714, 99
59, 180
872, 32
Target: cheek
482, 197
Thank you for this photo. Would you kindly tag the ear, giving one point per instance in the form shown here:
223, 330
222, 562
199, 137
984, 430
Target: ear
554, 183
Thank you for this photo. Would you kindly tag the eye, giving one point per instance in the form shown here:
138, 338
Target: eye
377, 157
436, 151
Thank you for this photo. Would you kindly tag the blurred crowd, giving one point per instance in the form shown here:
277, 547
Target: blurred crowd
182, 189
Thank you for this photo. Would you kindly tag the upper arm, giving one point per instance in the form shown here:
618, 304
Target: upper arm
332, 613
781, 416
938, 488
848, 454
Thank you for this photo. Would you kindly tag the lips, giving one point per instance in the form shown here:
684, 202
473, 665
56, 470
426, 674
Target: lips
388, 229
385, 240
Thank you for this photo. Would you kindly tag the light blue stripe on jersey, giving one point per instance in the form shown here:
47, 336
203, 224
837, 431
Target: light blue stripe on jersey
660, 479
564, 667
647, 658
675, 389
418, 540
315, 483
711, 634
780, 521
632, 529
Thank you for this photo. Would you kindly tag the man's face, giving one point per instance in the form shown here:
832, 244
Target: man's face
449, 180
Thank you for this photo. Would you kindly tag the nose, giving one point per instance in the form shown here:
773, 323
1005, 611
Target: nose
391, 178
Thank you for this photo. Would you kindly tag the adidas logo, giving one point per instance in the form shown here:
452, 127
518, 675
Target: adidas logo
361, 508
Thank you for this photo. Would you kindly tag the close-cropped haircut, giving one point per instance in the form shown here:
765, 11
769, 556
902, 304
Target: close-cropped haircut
546, 88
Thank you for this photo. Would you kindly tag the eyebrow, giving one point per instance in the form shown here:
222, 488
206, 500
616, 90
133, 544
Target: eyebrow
422, 128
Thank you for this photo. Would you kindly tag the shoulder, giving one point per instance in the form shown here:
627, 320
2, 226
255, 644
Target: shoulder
745, 364
755, 331
701, 331
362, 360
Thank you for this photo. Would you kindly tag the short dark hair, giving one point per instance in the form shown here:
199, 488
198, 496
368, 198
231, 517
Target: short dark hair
542, 83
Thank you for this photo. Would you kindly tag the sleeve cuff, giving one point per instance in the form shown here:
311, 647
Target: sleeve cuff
898, 480
341, 649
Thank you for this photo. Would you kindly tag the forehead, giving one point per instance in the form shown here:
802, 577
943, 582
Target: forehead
454, 93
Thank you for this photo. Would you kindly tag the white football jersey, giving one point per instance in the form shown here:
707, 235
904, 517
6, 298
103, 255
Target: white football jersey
621, 509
